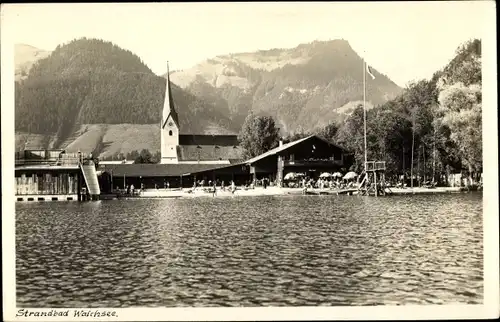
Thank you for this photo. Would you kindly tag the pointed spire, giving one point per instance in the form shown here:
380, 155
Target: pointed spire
168, 105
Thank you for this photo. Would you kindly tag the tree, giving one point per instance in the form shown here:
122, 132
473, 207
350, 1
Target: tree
351, 136
156, 158
460, 105
258, 135
329, 131
461, 112
144, 157
295, 136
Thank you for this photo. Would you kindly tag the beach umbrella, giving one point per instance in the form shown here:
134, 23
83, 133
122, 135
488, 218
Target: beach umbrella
337, 174
325, 175
350, 175
290, 176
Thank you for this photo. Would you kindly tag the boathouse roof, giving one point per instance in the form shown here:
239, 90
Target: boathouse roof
161, 170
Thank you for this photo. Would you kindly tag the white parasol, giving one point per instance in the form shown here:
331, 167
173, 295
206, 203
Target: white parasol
325, 175
350, 175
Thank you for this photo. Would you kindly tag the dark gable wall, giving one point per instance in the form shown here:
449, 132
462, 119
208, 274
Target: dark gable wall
268, 164
304, 150
220, 140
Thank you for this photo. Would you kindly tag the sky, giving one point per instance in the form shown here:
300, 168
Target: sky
404, 40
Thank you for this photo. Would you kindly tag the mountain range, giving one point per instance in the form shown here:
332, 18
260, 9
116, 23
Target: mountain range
91, 95
302, 88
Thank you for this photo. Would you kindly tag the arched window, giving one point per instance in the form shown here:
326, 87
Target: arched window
170, 132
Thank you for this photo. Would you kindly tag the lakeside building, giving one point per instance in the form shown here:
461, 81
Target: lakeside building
43, 175
188, 158
57, 175
311, 156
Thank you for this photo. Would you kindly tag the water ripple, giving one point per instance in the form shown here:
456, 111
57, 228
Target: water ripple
262, 251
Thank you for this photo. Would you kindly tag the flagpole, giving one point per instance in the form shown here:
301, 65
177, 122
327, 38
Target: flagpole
364, 107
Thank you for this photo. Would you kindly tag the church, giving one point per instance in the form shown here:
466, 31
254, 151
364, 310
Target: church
185, 148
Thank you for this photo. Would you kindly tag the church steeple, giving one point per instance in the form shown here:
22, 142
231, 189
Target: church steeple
168, 105
169, 127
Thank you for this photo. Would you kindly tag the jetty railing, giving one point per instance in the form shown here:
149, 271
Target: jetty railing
44, 157
375, 166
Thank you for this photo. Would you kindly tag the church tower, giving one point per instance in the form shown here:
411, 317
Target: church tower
169, 127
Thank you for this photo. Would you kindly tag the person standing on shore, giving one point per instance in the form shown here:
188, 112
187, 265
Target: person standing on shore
215, 189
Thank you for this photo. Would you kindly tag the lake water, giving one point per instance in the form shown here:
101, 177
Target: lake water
251, 251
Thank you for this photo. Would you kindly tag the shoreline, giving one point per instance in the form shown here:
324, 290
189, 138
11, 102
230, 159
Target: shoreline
258, 191
275, 191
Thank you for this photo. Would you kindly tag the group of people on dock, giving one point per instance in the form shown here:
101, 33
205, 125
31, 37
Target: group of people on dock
212, 186
130, 190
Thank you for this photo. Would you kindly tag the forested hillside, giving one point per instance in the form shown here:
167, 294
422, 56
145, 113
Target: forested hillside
90, 81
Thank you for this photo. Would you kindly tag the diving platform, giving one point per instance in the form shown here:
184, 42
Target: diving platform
373, 182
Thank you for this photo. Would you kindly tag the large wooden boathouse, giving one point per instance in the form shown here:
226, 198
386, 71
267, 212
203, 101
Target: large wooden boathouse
310, 155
